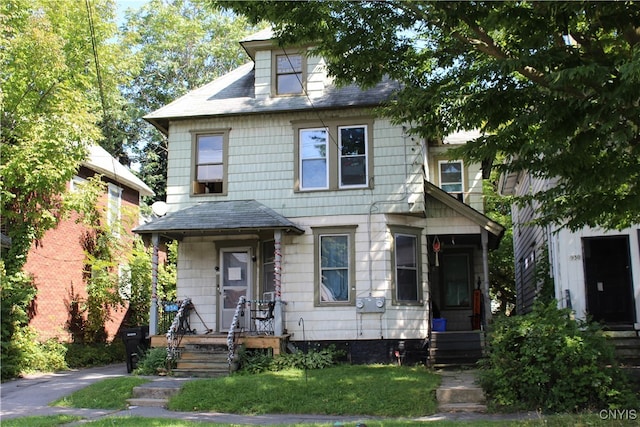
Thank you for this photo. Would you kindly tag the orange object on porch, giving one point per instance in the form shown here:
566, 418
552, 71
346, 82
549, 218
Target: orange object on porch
477, 309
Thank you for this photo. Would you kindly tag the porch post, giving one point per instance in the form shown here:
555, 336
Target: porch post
277, 267
153, 314
485, 267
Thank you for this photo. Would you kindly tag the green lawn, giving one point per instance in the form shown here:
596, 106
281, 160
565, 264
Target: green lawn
376, 390
391, 392
111, 393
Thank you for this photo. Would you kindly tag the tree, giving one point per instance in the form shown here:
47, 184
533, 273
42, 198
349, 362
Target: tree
554, 85
177, 46
50, 112
501, 260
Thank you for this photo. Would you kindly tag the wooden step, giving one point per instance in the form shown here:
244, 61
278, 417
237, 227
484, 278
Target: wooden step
200, 373
626, 346
202, 360
456, 348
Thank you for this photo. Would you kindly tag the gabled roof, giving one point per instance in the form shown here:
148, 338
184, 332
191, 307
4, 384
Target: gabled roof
234, 93
218, 218
495, 230
100, 161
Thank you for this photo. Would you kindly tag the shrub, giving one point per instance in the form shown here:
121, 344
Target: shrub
256, 361
152, 362
98, 354
547, 361
47, 356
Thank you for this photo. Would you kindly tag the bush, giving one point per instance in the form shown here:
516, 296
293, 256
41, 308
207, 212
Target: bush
547, 361
153, 361
87, 355
37, 356
257, 361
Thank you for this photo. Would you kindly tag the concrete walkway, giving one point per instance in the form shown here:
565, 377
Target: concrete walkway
30, 396
459, 391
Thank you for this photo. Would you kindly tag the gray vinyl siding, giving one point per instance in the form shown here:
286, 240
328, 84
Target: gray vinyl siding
529, 244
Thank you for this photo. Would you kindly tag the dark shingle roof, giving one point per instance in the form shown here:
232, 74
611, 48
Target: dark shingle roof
234, 93
218, 217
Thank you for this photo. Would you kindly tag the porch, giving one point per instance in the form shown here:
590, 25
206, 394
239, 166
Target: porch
277, 344
208, 355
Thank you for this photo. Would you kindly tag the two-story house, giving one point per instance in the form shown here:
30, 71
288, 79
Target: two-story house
283, 186
595, 272
58, 262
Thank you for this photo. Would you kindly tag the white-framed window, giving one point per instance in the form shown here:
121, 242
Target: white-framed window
289, 75
406, 258
353, 170
314, 171
334, 266
268, 267
210, 162
114, 207
451, 176
335, 156
76, 184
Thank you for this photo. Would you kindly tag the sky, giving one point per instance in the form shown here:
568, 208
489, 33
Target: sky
123, 5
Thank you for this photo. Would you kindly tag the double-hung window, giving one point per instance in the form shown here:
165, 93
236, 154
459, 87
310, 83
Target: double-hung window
314, 172
114, 208
406, 266
334, 156
353, 156
334, 265
451, 177
289, 74
210, 154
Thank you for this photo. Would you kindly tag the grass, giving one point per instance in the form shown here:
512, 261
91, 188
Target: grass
41, 421
111, 393
580, 420
390, 392
375, 390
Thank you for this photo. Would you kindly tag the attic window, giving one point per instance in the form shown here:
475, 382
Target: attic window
289, 77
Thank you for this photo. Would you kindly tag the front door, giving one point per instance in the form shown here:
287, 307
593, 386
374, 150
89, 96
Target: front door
607, 266
236, 282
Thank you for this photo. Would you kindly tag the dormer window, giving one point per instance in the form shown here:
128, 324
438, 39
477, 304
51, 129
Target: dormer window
289, 76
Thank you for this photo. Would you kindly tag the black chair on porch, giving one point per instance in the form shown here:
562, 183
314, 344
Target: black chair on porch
262, 317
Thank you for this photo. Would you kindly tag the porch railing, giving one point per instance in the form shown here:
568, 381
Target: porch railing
231, 335
175, 333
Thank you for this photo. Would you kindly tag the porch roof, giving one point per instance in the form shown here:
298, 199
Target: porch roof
494, 229
222, 217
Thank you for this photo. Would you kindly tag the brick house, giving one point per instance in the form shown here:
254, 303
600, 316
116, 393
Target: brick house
57, 261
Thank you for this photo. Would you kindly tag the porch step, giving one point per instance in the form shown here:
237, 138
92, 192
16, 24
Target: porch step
456, 348
203, 361
626, 346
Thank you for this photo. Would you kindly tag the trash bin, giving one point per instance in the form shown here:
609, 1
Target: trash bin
136, 341
439, 324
